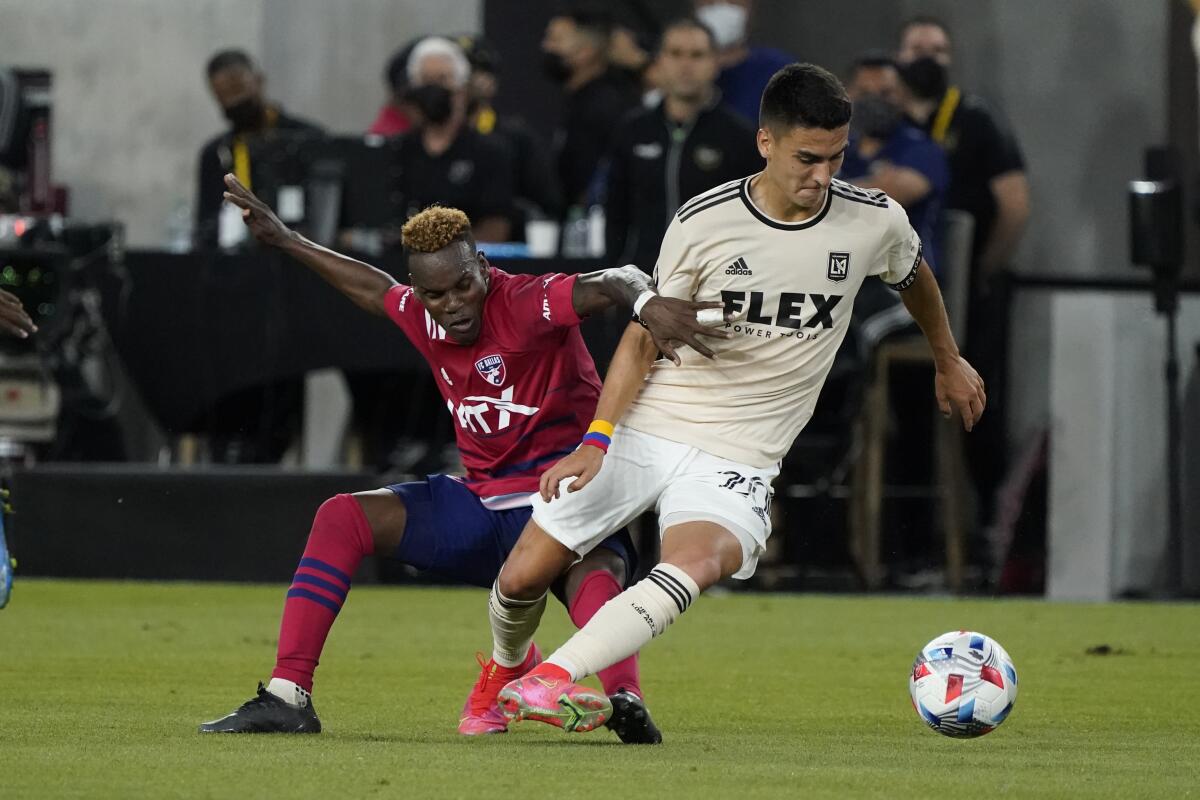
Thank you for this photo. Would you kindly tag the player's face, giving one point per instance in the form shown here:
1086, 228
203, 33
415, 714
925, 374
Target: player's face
687, 63
924, 41
452, 285
802, 161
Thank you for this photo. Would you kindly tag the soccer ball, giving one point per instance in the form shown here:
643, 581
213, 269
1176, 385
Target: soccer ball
963, 684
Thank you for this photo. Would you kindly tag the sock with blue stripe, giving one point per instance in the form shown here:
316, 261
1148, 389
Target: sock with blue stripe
339, 539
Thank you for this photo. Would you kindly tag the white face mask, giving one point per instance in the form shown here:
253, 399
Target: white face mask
727, 22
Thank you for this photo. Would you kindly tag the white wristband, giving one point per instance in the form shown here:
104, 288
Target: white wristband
641, 301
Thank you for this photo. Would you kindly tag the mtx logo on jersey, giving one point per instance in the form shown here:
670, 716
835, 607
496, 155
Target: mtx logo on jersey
839, 266
492, 369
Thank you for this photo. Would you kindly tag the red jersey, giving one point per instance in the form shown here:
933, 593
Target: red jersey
524, 393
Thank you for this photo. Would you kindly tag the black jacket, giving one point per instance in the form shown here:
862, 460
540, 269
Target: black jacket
216, 159
657, 165
586, 133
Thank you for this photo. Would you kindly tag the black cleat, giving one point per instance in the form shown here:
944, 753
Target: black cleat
631, 719
266, 713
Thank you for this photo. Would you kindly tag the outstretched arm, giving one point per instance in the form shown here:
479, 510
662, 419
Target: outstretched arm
363, 284
624, 380
671, 322
957, 384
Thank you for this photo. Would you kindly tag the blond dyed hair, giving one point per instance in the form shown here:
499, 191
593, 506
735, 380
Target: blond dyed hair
432, 229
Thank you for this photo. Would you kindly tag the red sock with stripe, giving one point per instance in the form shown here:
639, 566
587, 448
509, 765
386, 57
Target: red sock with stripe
597, 589
339, 539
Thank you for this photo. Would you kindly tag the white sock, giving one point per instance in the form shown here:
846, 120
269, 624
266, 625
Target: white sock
288, 692
513, 625
628, 622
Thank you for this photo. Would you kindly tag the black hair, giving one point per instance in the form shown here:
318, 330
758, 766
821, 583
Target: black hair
482, 54
923, 19
873, 59
592, 19
687, 24
230, 58
804, 96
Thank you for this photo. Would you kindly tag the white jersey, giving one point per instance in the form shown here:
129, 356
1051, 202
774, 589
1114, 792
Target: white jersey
791, 287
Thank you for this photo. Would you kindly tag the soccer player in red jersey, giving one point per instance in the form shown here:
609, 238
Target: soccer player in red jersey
517, 378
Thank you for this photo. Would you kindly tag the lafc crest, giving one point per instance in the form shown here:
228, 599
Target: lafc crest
839, 266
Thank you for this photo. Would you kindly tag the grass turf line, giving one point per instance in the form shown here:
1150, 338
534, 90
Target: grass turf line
102, 686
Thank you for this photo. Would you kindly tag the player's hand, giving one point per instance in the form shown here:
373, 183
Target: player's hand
260, 219
959, 388
672, 323
14, 320
582, 465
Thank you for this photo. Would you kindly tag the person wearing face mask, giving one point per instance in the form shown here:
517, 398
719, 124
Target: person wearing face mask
575, 54
745, 70
888, 152
443, 160
987, 169
237, 85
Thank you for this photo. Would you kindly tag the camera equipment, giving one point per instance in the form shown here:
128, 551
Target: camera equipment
51, 268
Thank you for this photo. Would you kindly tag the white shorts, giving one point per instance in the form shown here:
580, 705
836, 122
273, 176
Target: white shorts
683, 483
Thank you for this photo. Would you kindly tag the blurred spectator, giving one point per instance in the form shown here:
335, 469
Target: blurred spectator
237, 85
890, 153
393, 117
745, 70
630, 54
443, 160
686, 145
575, 52
987, 179
535, 188
987, 173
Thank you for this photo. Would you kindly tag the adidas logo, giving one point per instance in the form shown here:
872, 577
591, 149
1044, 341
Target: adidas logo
738, 267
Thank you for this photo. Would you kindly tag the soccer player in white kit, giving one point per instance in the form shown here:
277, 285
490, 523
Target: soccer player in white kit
700, 441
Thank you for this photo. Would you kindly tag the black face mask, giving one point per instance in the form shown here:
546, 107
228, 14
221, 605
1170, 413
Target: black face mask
926, 78
246, 115
874, 117
555, 67
436, 103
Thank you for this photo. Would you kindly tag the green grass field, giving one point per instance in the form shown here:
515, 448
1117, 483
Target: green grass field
102, 685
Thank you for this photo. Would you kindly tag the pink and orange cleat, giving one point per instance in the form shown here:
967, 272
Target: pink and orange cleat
480, 714
555, 701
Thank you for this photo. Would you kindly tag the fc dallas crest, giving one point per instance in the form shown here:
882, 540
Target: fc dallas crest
492, 369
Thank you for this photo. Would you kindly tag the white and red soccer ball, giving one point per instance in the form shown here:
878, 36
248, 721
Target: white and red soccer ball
963, 684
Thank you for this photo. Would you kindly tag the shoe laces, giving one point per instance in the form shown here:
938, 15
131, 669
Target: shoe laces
483, 696
262, 698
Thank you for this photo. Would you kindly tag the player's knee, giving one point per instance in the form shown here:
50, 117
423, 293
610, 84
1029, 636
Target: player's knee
386, 515
520, 581
604, 560
705, 570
